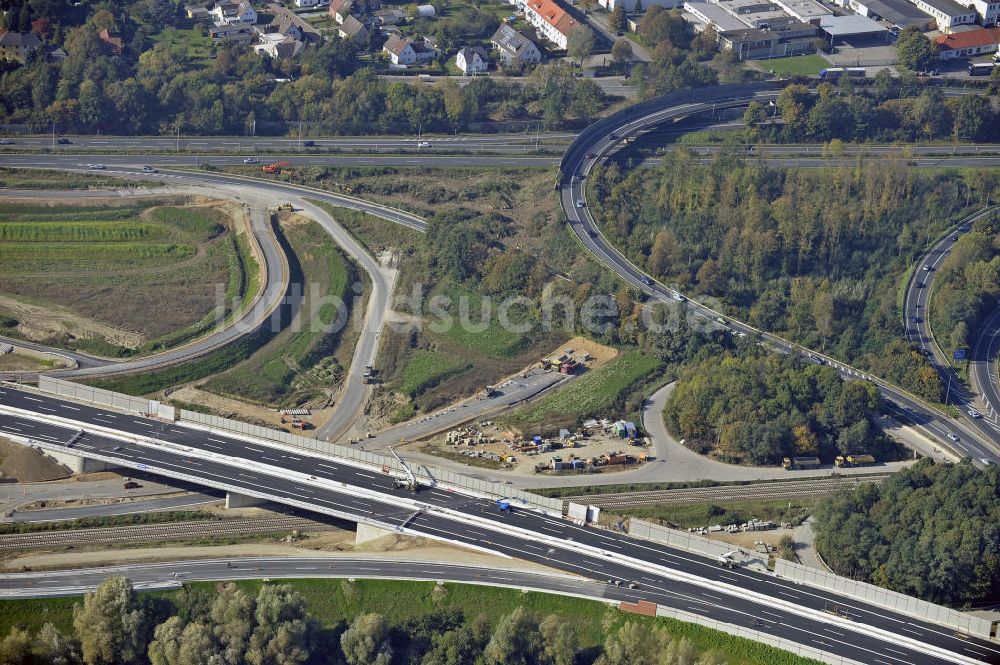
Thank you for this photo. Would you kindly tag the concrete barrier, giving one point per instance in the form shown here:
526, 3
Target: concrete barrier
695, 544
755, 635
874, 595
426, 474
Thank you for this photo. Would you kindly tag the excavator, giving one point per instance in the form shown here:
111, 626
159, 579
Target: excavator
275, 168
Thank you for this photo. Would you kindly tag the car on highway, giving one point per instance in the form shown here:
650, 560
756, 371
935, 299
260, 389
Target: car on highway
64, 141
592, 233
148, 169
249, 160
974, 414
986, 462
647, 281
424, 144
309, 144
916, 319
919, 285
927, 268
590, 155
612, 137
95, 167
678, 297
954, 238
6, 142
953, 437
579, 203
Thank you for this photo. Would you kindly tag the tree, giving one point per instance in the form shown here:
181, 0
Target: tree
281, 636
914, 50
54, 648
621, 51
366, 641
616, 21
659, 25
580, 43
15, 648
974, 119
110, 625
515, 640
561, 643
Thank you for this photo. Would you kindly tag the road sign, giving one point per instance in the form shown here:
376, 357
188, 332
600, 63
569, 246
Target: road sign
959, 354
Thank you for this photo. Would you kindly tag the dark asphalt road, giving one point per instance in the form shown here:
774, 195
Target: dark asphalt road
308, 483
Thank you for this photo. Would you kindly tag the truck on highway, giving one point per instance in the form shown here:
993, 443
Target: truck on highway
863, 459
795, 463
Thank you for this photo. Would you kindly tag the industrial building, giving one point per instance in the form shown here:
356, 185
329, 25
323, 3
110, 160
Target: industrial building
947, 13
898, 13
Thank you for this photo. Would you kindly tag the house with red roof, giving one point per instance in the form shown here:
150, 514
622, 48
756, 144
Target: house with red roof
550, 20
968, 44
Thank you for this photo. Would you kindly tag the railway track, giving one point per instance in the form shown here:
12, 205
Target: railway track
776, 490
156, 532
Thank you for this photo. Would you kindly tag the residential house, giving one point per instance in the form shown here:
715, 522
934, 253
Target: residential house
233, 11
513, 48
341, 9
234, 33
111, 44
384, 17
311, 3
968, 44
402, 51
278, 46
197, 12
551, 21
17, 46
289, 24
353, 29
472, 60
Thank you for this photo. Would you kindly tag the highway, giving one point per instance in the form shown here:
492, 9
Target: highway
161, 575
605, 137
665, 575
984, 367
916, 318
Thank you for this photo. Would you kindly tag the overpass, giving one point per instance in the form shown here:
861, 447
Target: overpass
839, 628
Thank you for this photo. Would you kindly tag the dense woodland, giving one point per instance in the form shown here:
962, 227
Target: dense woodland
967, 286
893, 109
155, 87
114, 626
930, 531
815, 255
758, 407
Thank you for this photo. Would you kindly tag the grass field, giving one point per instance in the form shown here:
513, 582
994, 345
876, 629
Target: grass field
799, 65
282, 370
190, 41
725, 512
42, 179
596, 393
427, 368
148, 269
332, 601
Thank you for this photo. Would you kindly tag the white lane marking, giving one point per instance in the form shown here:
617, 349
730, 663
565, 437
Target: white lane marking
366, 475
71, 408
270, 459
33, 399
216, 440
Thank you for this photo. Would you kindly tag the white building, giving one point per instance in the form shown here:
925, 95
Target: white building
550, 20
230, 11
947, 13
311, 3
513, 47
988, 10
472, 60
629, 5
402, 51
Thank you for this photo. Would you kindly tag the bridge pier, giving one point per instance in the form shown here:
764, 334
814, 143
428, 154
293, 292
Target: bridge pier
77, 464
367, 533
234, 500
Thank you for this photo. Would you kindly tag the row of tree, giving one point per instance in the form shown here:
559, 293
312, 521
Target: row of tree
758, 407
929, 531
883, 113
814, 255
114, 626
967, 286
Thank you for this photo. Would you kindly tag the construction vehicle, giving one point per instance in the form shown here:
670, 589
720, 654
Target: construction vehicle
486, 393
286, 207
793, 463
863, 459
728, 559
275, 168
408, 481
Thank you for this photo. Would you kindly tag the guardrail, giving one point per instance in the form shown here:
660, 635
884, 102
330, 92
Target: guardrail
426, 474
869, 593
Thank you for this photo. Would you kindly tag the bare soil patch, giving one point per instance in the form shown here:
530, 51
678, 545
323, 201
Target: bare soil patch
26, 465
